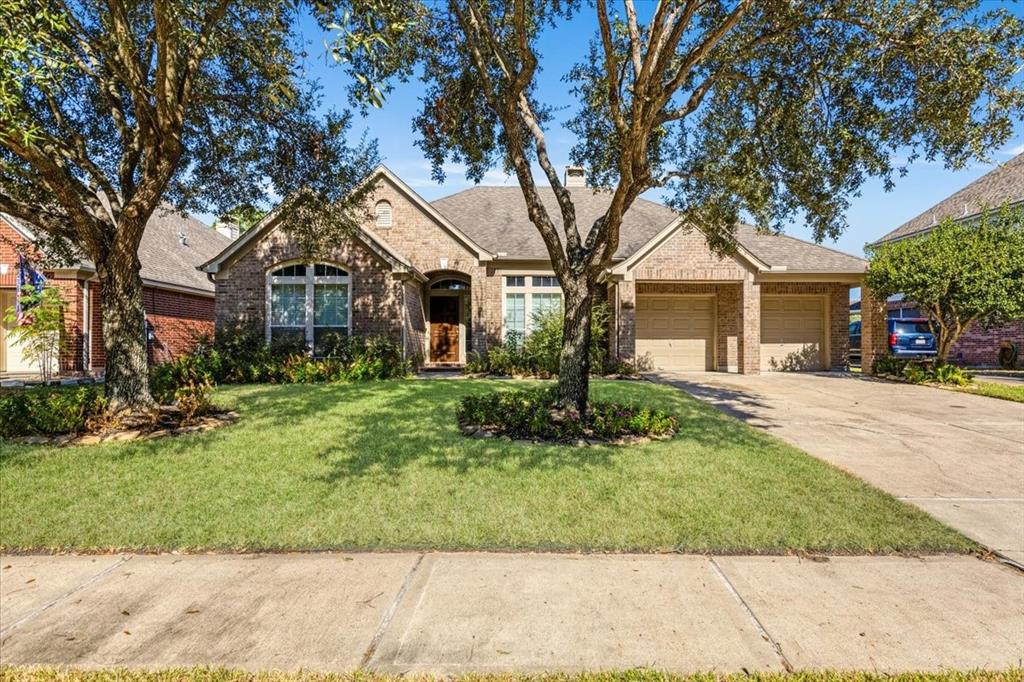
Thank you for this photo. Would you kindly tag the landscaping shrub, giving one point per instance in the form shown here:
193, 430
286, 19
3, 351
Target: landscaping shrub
922, 371
539, 354
241, 356
49, 410
535, 414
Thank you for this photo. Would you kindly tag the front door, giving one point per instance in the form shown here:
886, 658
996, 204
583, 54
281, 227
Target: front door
444, 328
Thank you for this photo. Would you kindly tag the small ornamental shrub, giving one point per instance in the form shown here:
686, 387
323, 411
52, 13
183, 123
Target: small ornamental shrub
49, 410
535, 414
922, 371
187, 382
951, 374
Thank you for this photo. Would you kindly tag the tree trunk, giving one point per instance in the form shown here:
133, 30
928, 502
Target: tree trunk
574, 365
124, 333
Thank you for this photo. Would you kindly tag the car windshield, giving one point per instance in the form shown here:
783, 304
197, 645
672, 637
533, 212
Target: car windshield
908, 327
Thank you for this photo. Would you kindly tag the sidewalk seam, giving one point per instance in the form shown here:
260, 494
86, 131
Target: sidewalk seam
78, 588
753, 617
390, 613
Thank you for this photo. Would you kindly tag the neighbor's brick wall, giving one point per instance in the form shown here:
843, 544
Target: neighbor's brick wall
178, 322
10, 243
978, 347
838, 296
686, 256
375, 297
423, 241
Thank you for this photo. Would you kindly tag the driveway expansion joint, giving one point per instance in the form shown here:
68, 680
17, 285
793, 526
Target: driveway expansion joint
753, 616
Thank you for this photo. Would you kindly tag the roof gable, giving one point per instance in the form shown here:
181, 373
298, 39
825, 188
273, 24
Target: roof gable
270, 222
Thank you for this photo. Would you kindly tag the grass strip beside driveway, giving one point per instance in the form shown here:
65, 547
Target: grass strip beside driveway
383, 466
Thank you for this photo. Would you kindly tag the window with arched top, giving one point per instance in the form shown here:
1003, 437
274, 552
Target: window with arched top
450, 285
308, 301
382, 214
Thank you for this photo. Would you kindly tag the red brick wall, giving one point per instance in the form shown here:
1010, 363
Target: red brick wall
177, 319
10, 243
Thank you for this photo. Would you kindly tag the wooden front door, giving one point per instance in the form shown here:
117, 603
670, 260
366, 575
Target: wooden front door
444, 328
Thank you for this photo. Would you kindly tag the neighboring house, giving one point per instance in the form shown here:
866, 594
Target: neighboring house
178, 298
1004, 185
454, 276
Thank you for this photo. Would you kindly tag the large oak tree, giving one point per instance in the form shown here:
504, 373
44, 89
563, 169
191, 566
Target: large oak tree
110, 108
775, 109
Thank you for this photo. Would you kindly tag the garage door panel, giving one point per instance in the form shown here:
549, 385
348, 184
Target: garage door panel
792, 333
675, 332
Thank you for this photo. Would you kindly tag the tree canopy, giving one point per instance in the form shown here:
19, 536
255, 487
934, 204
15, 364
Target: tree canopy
776, 110
958, 273
110, 109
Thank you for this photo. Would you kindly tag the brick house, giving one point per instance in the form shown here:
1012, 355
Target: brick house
452, 277
178, 298
1002, 186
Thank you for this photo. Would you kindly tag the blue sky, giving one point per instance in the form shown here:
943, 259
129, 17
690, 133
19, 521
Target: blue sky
871, 214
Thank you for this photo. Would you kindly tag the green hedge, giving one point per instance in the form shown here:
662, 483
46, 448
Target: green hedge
48, 410
534, 414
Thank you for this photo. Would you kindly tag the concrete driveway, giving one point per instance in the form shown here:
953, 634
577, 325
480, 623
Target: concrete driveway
959, 457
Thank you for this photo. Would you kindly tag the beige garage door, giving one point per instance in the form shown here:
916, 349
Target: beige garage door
676, 332
792, 333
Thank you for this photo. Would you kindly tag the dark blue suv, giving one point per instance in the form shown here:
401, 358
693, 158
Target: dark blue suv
911, 338
908, 338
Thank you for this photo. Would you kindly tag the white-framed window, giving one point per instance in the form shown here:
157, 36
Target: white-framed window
308, 301
524, 298
382, 214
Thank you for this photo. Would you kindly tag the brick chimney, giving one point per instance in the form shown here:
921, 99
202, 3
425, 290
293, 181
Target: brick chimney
575, 176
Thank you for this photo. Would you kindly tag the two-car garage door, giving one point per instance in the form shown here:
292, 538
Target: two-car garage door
676, 332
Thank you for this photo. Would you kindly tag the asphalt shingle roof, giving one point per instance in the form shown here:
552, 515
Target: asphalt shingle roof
496, 219
1002, 185
166, 258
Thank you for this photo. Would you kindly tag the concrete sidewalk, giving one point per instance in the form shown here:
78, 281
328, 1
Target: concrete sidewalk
473, 612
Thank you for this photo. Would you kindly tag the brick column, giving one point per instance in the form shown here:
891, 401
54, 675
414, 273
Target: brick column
749, 314
625, 320
873, 340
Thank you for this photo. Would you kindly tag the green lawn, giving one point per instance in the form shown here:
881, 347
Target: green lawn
994, 390
383, 466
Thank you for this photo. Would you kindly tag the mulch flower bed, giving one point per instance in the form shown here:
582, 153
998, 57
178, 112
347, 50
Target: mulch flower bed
166, 421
